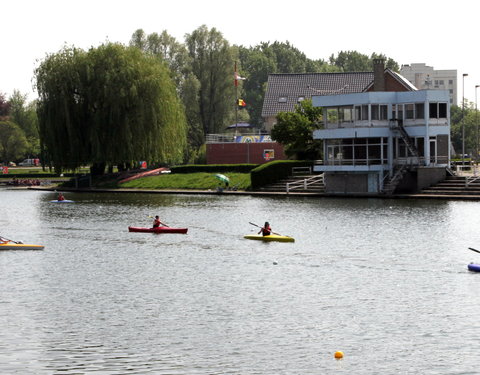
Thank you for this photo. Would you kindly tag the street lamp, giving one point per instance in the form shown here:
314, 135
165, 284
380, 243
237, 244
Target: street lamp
463, 118
476, 118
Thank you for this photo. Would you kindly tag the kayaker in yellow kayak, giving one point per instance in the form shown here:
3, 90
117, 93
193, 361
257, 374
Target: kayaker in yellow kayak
266, 230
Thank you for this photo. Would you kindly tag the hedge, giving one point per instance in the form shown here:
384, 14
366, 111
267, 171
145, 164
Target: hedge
213, 168
269, 173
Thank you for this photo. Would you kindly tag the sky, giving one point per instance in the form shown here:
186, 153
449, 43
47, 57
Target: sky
442, 34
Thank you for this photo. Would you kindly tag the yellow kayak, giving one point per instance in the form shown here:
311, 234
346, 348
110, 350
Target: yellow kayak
271, 237
19, 246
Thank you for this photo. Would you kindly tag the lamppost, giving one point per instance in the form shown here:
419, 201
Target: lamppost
463, 118
476, 119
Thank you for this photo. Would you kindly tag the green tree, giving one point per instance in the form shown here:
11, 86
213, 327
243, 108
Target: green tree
295, 131
13, 144
4, 106
256, 63
212, 64
353, 61
110, 105
25, 116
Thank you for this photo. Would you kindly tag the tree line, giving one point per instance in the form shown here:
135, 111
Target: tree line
154, 99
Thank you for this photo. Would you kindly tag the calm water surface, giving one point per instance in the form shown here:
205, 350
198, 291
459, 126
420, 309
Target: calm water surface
384, 281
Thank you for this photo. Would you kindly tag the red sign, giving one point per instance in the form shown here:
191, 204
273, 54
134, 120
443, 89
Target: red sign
5, 170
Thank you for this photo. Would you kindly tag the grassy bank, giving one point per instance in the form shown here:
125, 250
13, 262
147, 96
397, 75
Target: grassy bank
199, 181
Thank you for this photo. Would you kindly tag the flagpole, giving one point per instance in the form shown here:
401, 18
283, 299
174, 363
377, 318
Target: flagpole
236, 101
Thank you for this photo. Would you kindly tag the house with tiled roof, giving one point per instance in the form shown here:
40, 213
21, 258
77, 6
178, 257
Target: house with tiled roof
284, 91
390, 137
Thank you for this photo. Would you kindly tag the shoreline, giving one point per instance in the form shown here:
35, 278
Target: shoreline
471, 197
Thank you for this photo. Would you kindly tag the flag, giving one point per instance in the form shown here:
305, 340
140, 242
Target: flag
238, 78
241, 103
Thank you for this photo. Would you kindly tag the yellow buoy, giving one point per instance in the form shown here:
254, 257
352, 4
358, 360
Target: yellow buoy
338, 355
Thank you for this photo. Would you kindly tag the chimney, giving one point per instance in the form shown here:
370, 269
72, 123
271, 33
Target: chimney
378, 75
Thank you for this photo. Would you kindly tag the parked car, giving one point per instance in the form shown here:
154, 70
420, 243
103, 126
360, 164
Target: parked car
29, 162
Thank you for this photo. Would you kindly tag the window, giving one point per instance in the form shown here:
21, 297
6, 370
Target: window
364, 112
300, 99
345, 114
282, 99
419, 110
332, 115
438, 110
441, 82
442, 110
397, 112
409, 111
379, 112
450, 81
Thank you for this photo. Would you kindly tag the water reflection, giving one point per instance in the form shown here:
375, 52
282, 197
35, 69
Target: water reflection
384, 281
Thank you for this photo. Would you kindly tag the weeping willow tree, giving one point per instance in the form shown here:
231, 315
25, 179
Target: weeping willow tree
111, 105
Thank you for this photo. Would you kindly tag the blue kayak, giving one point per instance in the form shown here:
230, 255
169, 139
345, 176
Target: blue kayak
64, 201
474, 267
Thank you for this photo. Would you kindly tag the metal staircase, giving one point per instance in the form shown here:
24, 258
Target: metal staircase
398, 125
390, 186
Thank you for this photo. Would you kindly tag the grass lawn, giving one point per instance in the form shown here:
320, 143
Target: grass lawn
199, 181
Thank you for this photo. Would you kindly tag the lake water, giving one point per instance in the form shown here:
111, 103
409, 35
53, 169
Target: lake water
383, 281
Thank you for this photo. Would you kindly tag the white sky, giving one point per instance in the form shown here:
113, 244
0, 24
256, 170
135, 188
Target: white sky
443, 34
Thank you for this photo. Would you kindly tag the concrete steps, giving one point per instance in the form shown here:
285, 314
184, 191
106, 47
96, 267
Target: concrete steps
454, 185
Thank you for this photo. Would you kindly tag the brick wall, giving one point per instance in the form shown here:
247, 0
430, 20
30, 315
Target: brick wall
238, 153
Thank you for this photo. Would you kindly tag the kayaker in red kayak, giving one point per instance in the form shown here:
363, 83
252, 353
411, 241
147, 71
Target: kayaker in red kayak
60, 197
157, 222
266, 229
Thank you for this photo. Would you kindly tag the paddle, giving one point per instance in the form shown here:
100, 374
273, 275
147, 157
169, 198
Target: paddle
9, 240
471, 248
278, 234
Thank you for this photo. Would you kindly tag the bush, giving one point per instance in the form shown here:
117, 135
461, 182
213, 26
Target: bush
213, 168
276, 170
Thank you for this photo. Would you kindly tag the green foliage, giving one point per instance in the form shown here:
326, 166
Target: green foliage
258, 62
214, 168
212, 64
275, 170
4, 106
110, 105
295, 131
353, 61
469, 120
13, 143
25, 116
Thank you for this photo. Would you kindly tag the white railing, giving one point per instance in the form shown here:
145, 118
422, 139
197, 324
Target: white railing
305, 183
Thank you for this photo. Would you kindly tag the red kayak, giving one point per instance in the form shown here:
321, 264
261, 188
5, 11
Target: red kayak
158, 230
